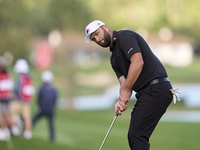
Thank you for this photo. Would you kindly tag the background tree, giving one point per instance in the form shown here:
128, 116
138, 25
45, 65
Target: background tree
21, 20
13, 34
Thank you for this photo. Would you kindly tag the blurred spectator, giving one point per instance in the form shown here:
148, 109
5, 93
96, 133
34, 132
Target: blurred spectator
47, 97
23, 94
6, 87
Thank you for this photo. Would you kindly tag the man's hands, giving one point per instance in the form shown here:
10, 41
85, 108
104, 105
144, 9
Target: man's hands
123, 100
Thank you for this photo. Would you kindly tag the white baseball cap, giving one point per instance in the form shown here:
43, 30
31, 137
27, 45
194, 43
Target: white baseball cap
92, 27
47, 76
21, 66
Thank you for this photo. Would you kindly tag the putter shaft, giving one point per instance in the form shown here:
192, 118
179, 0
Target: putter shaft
109, 129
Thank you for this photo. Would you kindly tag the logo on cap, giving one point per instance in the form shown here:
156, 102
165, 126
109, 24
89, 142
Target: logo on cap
88, 31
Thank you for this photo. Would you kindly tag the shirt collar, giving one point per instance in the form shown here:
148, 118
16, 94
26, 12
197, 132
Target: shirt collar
115, 33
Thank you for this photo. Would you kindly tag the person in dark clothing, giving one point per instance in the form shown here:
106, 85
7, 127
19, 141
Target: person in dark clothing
138, 69
47, 98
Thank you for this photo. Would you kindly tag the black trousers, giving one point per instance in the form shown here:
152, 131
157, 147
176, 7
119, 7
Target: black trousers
49, 116
150, 106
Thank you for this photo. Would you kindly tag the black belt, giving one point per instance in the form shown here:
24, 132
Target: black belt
155, 81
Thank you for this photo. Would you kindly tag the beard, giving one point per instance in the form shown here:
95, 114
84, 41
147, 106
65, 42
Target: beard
106, 39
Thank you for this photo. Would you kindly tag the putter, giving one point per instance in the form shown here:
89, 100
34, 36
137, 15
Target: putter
109, 129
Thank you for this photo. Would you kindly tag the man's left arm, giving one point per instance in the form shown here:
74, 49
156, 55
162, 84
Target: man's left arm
135, 69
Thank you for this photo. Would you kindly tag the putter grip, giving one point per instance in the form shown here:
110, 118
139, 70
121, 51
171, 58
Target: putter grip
117, 112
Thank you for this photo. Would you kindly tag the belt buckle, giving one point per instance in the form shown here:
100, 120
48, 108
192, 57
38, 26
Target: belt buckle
155, 81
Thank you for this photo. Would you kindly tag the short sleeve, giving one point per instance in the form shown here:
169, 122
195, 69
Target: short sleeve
128, 43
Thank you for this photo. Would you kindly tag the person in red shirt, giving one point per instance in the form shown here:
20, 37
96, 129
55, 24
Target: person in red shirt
6, 86
23, 94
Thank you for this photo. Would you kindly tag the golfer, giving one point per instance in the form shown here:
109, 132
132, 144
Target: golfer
138, 69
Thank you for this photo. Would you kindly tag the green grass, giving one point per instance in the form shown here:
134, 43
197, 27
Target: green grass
176, 136
85, 130
190, 74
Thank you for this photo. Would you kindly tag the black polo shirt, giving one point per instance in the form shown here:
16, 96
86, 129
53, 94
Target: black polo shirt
125, 43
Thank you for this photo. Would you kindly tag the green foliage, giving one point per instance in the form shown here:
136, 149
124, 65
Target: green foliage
21, 20
14, 38
70, 14
16, 43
